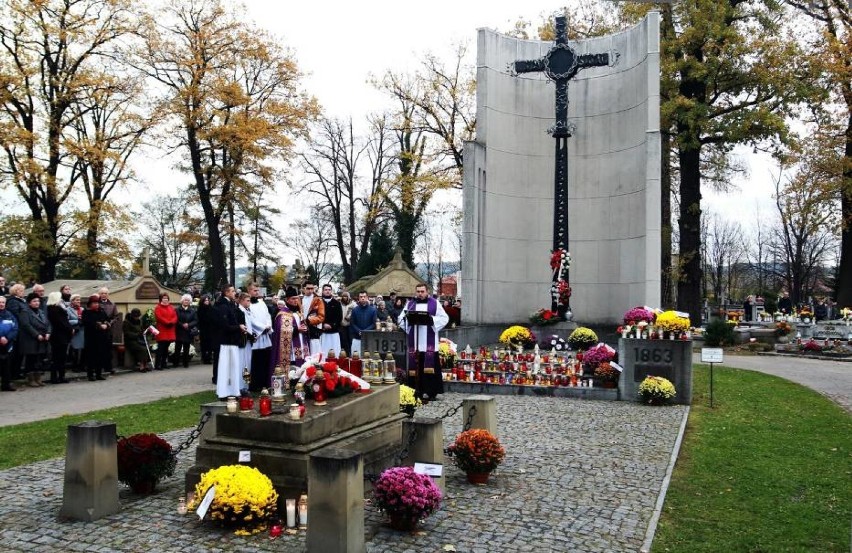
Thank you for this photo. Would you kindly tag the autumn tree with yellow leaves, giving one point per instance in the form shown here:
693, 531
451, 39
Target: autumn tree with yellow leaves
49, 55
233, 97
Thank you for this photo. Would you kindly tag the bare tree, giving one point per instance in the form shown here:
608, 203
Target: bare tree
312, 241
346, 175
806, 235
175, 239
722, 253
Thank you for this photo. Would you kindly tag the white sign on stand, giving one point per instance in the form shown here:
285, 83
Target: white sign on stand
712, 355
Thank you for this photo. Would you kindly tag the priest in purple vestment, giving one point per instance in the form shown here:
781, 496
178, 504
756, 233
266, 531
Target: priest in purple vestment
424, 371
289, 333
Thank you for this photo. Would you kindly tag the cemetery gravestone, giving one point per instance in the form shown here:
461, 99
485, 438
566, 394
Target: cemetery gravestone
670, 359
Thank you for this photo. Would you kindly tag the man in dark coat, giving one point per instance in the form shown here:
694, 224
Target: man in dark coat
222, 316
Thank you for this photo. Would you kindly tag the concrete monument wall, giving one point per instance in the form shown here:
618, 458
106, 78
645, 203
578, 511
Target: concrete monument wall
613, 181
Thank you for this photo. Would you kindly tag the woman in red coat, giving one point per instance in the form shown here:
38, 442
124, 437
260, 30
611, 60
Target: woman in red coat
166, 319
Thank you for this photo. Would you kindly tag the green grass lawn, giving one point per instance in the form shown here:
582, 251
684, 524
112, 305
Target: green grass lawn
767, 469
35, 441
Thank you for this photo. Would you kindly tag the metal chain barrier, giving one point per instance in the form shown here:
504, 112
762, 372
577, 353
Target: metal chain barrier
470, 416
403, 453
194, 434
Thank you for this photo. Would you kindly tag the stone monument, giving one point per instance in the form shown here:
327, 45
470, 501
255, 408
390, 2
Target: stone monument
369, 424
613, 180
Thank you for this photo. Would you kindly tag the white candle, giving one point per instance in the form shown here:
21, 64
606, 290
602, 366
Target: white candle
291, 513
303, 515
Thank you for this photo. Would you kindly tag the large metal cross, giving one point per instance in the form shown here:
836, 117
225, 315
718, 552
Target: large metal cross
560, 64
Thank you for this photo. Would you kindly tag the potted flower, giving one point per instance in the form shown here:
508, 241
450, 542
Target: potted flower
806, 314
656, 390
408, 402
782, 331
582, 338
637, 314
553, 342
672, 322
517, 337
144, 460
477, 452
607, 374
245, 498
406, 497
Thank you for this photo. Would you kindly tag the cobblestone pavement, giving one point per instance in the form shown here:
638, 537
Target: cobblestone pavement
578, 476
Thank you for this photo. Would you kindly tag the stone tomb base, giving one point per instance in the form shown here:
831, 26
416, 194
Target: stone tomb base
370, 424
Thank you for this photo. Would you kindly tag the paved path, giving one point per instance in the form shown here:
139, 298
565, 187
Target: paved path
579, 475
832, 379
82, 396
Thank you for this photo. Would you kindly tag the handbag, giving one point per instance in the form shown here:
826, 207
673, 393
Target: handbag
194, 331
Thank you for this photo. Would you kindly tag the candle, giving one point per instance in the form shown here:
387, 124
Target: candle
231, 405
291, 513
295, 413
181, 509
303, 511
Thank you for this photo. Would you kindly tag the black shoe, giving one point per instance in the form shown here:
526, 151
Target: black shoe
158, 368
54, 381
100, 378
9, 388
91, 379
64, 381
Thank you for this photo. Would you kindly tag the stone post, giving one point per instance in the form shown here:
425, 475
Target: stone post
209, 430
90, 490
485, 416
335, 501
428, 445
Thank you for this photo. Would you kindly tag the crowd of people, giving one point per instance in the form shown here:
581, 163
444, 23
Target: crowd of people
234, 332
41, 334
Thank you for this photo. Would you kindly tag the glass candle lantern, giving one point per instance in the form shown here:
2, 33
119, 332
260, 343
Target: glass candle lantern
390, 369
231, 404
265, 403
303, 511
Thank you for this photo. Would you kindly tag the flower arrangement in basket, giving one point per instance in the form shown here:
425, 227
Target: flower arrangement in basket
582, 338
144, 460
805, 312
518, 336
656, 390
639, 314
477, 451
326, 380
408, 402
782, 328
406, 497
553, 342
846, 314
544, 317
812, 346
245, 498
447, 352
672, 321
